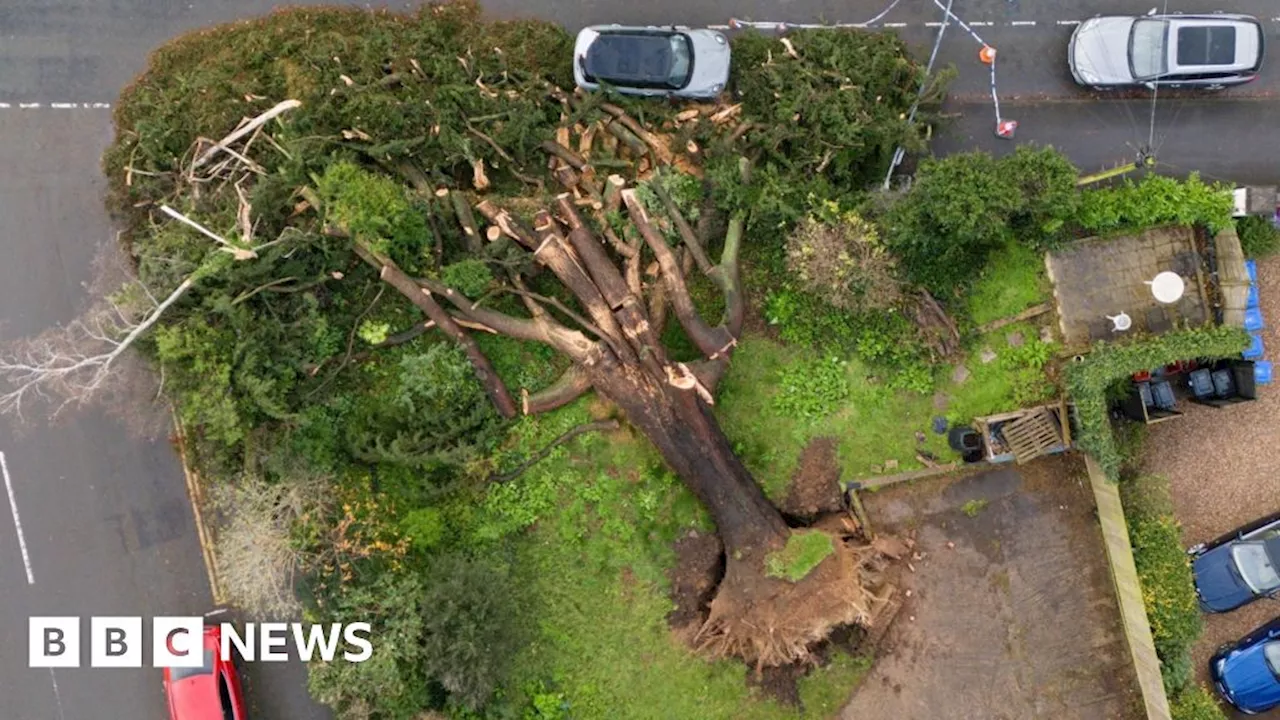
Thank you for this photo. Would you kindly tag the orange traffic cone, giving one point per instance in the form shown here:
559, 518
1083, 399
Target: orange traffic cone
987, 54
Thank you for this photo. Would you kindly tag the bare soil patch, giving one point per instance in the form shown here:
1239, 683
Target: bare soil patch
698, 569
815, 486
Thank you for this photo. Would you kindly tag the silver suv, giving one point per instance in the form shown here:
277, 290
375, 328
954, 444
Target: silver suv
657, 62
1189, 51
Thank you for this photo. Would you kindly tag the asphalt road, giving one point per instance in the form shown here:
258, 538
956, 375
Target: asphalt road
104, 513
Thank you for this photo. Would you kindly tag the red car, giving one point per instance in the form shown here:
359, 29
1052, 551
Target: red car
209, 692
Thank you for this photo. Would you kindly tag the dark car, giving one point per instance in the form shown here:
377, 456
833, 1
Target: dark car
1247, 673
209, 692
1176, 51
1238, 568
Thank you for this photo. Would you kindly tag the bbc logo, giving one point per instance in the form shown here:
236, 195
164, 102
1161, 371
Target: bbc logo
54, 642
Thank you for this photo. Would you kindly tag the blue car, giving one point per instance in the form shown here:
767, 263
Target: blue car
1238, 568
1247, 674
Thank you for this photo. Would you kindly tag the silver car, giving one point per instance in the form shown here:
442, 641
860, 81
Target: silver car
658, 62
1189, 51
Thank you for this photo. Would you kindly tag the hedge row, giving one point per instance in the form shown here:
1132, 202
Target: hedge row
1087, 381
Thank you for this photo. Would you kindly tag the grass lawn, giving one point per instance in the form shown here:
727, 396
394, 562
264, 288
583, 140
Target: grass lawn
1013, 281
601, 516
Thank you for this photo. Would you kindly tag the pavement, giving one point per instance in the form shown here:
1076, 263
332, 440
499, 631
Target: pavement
105, 517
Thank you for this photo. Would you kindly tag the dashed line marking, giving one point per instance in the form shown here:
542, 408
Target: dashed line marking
1023, 23
895, 25
17, 521
981, 24
55, 106
1068, 22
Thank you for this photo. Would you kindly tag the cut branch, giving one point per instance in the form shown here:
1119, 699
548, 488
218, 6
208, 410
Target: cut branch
257, 122
570, 386
597, 426
390, 273
708, 340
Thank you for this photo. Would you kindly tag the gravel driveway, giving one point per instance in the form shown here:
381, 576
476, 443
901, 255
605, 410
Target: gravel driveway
1224, 471
1012, 615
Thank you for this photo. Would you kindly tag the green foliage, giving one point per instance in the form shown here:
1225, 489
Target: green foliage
471, 277
1164, 571
424, 527
389, 682
376, 209
826, 123
1087, 381
1195, 703
802, 553
433, 415
373, 332
962, 208
813, 389
1259, 237
451, 626
972, 508
1156, 200
1025, 365
205, 355
468, 634
1046, 180
843, 261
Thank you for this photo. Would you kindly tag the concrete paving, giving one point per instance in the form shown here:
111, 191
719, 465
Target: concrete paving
104, 512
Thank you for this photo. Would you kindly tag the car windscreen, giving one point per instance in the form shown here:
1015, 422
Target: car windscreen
1256, 565
178, 673
1147, 42
1206, 45
646, 60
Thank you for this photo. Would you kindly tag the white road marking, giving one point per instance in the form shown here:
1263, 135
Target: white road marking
981, 24
1023, 23
55, 106
895, 25
17, 522
57, 696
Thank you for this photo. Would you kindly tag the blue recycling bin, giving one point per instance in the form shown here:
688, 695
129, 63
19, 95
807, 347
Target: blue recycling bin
1253, 297
1252, 267
1253, 320
1255, 350
1262, 372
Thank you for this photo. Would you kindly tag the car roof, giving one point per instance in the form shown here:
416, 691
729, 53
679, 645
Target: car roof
195, 697
1217, 42
631, 56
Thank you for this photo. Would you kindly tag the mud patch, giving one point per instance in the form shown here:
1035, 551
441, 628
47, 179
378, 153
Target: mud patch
697, 572
815, 486
782, 683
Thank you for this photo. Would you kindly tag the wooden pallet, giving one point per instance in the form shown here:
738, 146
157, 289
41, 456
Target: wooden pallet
1030, 436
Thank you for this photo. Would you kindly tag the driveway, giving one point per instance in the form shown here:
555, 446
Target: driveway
1224, 471
1011, 613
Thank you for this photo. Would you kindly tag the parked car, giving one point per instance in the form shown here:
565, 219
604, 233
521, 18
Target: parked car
1238, 568
652, 61
1247, 673
1176, 51
209, 692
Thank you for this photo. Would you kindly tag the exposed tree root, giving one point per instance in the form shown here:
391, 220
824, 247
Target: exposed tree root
768, 621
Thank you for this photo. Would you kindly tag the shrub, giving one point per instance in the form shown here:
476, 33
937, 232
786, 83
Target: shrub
840, 259
1164, 571
1087, 381
1047, 182
1156, 200
955, 214
1259, 237
812, 389
1195, 703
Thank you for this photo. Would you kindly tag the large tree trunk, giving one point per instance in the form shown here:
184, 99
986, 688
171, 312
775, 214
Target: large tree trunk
681, 426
